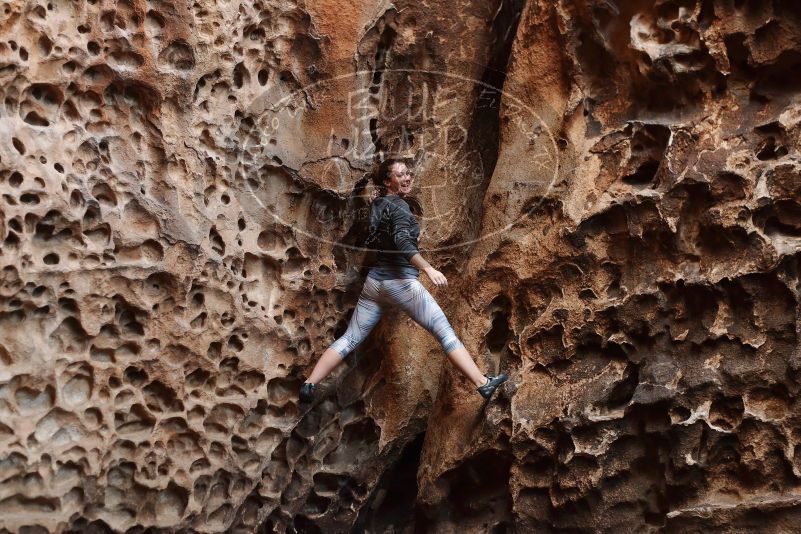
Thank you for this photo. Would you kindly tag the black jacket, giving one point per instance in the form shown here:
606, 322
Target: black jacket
393, 232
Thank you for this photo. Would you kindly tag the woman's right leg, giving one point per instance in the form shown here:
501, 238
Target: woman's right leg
413, 297
365, 317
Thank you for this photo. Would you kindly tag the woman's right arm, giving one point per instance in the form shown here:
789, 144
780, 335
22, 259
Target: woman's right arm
401, 235
437, 277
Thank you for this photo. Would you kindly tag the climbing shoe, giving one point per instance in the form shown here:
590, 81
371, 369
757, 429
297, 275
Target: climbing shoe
307, 392
492, 384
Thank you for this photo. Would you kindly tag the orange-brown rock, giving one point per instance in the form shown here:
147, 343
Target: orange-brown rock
611, 187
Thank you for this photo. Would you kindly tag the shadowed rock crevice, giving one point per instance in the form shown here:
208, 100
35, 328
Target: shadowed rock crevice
477, 496
483, 131
392, 502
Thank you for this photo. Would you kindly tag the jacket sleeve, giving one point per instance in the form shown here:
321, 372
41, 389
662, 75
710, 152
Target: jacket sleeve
401, 231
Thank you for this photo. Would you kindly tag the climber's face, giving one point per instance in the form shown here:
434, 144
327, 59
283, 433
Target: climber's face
399, 181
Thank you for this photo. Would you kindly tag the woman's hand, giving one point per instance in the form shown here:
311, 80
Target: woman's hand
437, 277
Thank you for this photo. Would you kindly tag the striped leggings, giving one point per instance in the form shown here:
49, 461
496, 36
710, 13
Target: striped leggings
409, 295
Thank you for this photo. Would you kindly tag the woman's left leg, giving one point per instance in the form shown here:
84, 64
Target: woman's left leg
414, 299
325, 365
366, 315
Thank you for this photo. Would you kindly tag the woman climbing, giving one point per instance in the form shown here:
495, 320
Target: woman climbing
392, 282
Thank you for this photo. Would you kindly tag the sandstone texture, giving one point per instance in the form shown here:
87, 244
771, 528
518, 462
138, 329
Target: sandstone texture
612, 187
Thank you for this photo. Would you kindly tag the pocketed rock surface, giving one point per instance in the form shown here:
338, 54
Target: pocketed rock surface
174, 262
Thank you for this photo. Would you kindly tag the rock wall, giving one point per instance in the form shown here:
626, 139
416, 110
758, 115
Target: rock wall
611, 187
